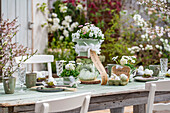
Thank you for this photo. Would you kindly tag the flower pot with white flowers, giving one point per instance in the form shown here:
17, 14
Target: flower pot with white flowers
87, 37
8, 52
69, 74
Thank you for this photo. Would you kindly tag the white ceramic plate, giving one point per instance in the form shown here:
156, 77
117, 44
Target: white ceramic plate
141, 79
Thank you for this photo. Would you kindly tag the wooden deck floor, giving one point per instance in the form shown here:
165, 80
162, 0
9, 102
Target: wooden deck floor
127, 110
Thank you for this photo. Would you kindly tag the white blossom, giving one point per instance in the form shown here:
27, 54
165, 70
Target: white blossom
61, 28
123, 61
49, 20
132, 52
157, 46
159, 31
148, 47
55, 27
61, 37
70, 66
137, 17
79, 7
142, 36
68, 18
85, 29
161, 39
166, 41
168, 71
65, 23
56, 20
141, 45
90, 34
65, 33
129, 49
54, 15
74, 25
51, 79
160, 47
148, 72
70, 29
133, 61
141, 68
63, 9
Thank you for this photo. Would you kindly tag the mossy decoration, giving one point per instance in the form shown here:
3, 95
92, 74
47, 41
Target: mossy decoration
118, 70
120, 75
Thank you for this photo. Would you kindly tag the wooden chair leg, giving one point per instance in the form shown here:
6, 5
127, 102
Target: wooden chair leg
117, 110
139, 108
10, 109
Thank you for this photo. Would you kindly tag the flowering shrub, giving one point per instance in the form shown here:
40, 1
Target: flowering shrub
63, 20
153, 32
88, 31
117, 37
10, 50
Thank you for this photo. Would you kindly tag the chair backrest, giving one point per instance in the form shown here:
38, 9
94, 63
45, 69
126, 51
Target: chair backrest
64, 104
156, 86
37, 59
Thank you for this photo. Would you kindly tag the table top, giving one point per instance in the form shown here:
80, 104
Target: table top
30, 96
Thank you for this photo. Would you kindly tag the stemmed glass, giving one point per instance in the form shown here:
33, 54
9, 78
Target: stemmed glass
21, 76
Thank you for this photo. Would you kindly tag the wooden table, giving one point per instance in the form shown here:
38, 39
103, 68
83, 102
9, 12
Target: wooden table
114, 98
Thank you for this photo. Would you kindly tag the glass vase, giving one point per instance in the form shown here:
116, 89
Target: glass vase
87, 70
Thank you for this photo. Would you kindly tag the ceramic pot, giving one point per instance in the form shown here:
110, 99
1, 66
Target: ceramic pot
9, 84
31, 79
83, 42
68, 80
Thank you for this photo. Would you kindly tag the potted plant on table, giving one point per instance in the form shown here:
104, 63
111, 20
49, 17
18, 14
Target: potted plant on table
8, 52
69, 74
87, 37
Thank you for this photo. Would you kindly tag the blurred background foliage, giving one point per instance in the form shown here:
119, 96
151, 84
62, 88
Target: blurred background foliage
118, 25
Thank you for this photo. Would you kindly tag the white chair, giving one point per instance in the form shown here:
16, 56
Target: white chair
64, 104
157, 86
38, 59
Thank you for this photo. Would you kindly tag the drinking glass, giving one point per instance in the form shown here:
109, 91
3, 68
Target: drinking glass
21, 77
164, 65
